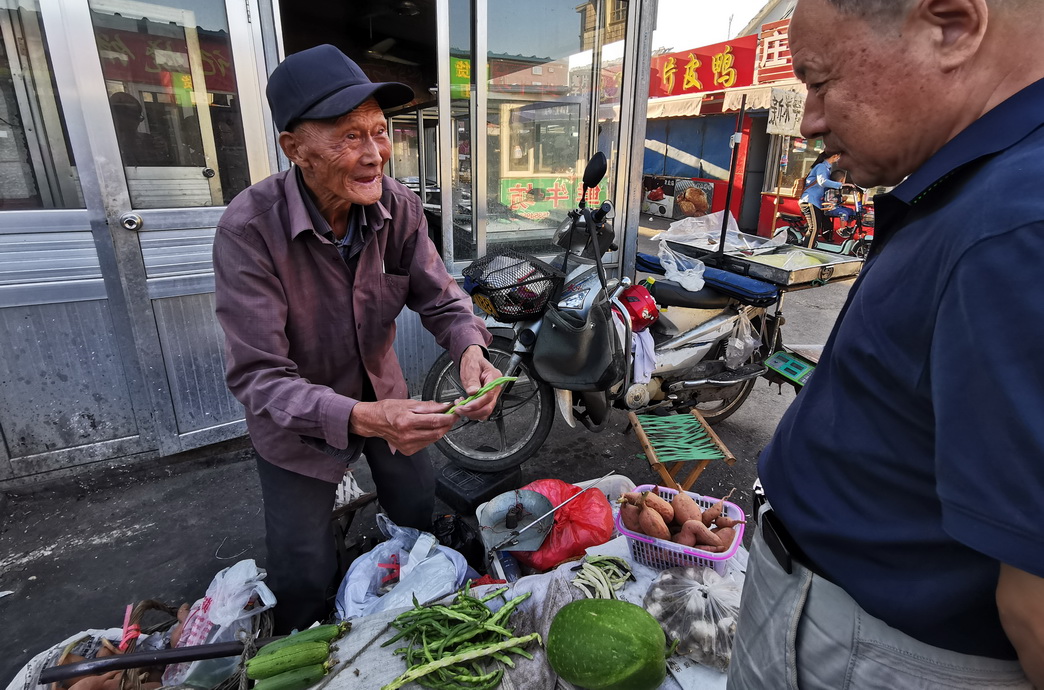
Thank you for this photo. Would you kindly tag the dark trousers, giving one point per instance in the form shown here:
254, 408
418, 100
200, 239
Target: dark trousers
302, 557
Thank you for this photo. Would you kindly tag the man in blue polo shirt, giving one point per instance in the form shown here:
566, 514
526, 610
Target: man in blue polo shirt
902, 544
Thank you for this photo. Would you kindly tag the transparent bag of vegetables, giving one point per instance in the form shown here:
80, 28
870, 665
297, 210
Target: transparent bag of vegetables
698, 608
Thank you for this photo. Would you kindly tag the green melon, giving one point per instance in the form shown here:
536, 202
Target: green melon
607, 644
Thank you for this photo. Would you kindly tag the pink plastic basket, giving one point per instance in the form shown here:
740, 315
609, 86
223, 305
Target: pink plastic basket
660, 554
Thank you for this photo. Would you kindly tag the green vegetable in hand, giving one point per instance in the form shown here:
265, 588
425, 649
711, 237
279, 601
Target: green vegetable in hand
499, 381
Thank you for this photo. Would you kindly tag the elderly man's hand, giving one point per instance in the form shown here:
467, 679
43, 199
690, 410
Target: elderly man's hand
475, 372
407, 425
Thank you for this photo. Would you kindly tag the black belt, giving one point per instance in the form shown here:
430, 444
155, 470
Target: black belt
783, 547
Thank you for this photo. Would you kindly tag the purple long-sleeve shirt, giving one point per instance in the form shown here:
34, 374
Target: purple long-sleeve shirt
304, 329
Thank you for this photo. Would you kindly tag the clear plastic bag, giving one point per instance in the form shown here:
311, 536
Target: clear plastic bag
684, 270
409, 564
698, 608
705, 232
234, 597
742, 343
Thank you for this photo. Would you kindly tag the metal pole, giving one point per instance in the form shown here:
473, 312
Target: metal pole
732, 173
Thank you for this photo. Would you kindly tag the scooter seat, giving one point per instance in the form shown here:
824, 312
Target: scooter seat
670, 294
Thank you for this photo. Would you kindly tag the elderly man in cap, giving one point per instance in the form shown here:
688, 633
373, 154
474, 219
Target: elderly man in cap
312, 265
902, 545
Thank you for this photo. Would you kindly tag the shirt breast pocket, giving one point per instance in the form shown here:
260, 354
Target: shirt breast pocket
394, 290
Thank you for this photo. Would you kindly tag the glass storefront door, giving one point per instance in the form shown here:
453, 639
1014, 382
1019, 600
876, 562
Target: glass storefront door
126, 128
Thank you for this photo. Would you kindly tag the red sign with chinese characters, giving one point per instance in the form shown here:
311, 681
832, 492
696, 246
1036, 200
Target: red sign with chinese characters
711, 68
161, 61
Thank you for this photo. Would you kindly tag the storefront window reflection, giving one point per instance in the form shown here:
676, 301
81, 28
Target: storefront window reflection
796, 164
36, 165
175, 105
541, 80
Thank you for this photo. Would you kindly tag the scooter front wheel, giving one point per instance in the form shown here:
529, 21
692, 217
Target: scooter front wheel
514, 432
726, 402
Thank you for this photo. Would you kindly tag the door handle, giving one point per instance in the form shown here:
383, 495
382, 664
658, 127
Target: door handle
131, 221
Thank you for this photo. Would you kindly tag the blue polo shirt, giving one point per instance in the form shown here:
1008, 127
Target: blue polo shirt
913, 462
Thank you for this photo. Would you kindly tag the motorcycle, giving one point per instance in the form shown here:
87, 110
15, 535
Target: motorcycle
690, 345
852, 236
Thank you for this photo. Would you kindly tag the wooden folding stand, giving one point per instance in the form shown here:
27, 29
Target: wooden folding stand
670, 441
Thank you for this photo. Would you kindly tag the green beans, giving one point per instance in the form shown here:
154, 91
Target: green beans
448, 645
600, 576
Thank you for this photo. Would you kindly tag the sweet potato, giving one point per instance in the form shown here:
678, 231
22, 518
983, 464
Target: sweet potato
96, 682
653, 500
722, 521
652, 524
685, 508
701, 533
684, 537
726, 535
629, 517
632, 497
712, 513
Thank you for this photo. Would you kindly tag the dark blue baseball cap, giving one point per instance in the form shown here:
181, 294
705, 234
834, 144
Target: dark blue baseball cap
323, 82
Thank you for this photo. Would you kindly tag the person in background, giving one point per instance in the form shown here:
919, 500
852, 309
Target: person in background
312, 266
137, 148
834, 199
901, 543
817, 182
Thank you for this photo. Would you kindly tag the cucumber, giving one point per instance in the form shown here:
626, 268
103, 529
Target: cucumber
287, 659
607, 644
322, 633
297, 679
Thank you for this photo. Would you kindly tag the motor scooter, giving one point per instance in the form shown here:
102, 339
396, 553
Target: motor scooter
692, 365
852, 236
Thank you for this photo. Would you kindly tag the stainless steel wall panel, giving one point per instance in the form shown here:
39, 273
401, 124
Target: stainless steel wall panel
193, 356
415, 348
62, 378
177, 252
51, 293
176, 286
51, 256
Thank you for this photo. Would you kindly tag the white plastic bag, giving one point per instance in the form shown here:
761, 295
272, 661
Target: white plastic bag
705, 232
742, 343
235, 596
684, 270
698, 608
424, 568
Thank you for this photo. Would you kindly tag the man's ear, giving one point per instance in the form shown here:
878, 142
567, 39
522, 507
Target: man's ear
957, 27
291, 145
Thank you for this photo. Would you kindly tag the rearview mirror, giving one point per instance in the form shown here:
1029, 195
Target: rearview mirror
595, 170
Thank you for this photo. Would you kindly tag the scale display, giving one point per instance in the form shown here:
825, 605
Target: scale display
791, 367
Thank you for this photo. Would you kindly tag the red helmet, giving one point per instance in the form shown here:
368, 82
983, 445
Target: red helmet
641, 307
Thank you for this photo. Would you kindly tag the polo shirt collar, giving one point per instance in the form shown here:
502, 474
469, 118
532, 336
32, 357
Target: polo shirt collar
999, 129
297, 202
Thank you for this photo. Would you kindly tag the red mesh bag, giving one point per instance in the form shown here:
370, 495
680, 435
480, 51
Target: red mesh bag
585, 522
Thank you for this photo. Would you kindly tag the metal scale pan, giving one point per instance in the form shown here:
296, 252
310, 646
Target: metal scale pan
493, 519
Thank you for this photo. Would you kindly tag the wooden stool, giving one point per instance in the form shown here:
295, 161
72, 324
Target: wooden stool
670, 441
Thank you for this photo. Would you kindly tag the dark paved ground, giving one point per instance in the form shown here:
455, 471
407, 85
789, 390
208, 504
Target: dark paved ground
74, 554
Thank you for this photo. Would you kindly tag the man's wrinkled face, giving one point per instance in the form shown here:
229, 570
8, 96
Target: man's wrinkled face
867, 92
344, 158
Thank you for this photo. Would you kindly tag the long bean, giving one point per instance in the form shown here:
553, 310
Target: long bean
423, 670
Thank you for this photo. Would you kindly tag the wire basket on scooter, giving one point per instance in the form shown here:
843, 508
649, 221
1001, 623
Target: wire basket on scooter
511, 286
